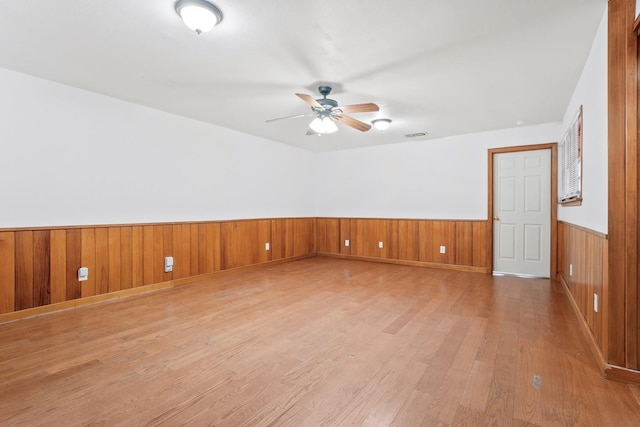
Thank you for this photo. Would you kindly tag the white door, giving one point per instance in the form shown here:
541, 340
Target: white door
522, 213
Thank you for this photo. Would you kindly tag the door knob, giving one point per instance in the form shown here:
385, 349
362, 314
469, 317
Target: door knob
496, 218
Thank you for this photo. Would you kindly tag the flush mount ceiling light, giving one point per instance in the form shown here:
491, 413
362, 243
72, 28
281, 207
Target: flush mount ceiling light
199, 15
381, 124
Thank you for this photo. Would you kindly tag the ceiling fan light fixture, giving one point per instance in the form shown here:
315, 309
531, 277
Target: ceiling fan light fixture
381, 124
199, 15
323, 125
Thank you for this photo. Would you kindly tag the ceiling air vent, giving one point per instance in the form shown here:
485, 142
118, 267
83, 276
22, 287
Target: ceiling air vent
415, 135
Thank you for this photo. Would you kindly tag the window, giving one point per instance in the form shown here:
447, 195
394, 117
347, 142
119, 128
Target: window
571, 166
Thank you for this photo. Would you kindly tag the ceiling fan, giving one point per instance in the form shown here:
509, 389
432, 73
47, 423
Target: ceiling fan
327, 113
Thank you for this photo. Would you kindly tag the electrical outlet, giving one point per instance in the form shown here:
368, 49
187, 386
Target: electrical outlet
267, 246
570, 269
83, 274
380, 245
168, 264
595, 302
443, 249
346, 243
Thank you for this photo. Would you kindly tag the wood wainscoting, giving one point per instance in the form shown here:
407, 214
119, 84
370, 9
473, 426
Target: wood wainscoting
407, 241
582, 265
39, 267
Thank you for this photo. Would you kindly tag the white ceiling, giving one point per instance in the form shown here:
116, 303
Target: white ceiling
445, 67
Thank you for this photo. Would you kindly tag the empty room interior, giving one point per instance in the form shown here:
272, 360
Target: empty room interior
319, 213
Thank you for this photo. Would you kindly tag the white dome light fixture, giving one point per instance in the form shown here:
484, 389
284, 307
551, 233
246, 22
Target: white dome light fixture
199, 15
381, 124
323, 125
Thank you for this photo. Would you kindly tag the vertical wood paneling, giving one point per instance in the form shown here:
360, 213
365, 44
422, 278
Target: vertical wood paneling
408, 240
392, 244
444, 234
183, 248
587, 252
303, 236
137, 256
215, 236
205, 248
464, 243
58, 264
7, 272
282, 241
115, 262
328, 235
119, 257
41, 268
167, 250
126, 258
149, 254
24, 270
158, 254
237, 240
181, 235
88, 259
345, 234
425, 231
194, 249
480, 245
264, 236
367, 234
102, 260
74, 258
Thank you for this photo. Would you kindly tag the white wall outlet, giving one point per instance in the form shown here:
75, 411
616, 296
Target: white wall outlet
380, 245
570, 269
443, 249
83, 274
267, 246
595, 302
346, 243
168, 264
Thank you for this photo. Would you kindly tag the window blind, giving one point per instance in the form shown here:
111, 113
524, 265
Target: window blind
571, 148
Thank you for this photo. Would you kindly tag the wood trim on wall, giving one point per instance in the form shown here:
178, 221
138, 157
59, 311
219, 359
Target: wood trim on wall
553, 206
622, 296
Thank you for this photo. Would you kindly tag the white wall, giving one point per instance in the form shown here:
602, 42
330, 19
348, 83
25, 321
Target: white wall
591, 93
72, 157
431, 179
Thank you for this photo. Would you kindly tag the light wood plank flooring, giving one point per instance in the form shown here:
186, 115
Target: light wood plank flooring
314, 342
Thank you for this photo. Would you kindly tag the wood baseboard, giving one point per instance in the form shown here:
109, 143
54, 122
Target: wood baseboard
466, 268
125, 293
624, 375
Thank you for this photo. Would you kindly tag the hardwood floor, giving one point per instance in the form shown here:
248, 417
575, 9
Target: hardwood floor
314, 342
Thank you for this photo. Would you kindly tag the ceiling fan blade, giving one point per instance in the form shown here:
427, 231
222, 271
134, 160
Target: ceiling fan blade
309, 100
359, 108
312, 132
289, 117
350, 121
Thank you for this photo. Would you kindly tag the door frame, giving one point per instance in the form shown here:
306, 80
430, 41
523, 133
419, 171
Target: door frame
553, 146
